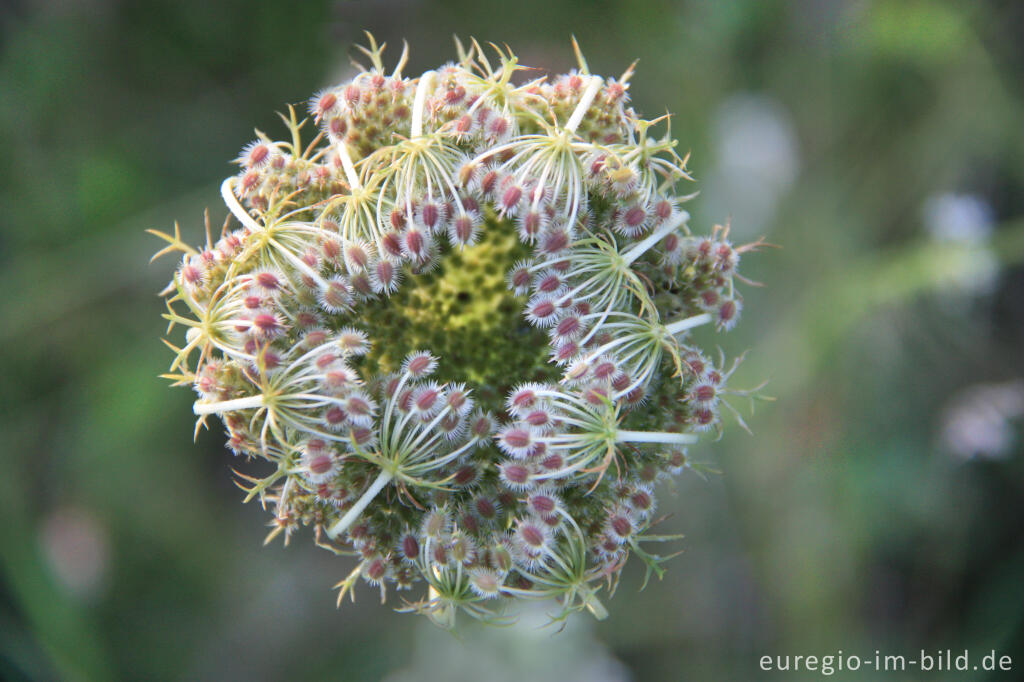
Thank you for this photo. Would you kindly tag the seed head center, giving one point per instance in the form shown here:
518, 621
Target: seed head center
464, 312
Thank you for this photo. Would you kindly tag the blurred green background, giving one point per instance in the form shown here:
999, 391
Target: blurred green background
879, 503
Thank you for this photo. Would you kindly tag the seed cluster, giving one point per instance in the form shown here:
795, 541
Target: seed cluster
532, 473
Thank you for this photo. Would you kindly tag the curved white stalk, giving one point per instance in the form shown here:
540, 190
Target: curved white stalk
227, 192
625, 436
588, 98
233, 405
419, 103
674, 328
350, 168
640, 248
383, 478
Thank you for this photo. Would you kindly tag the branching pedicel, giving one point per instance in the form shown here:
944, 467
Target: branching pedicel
457, 323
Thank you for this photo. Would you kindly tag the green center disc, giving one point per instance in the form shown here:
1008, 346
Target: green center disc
465, 314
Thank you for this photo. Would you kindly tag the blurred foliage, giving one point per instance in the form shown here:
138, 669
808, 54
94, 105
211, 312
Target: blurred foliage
845, 522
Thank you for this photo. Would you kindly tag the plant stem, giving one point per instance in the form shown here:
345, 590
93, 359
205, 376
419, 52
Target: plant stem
640, 248
588, 98
419, 104
383, 478
346, 162
227, 192
624, 436
235, 404
687, 323
594, 605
